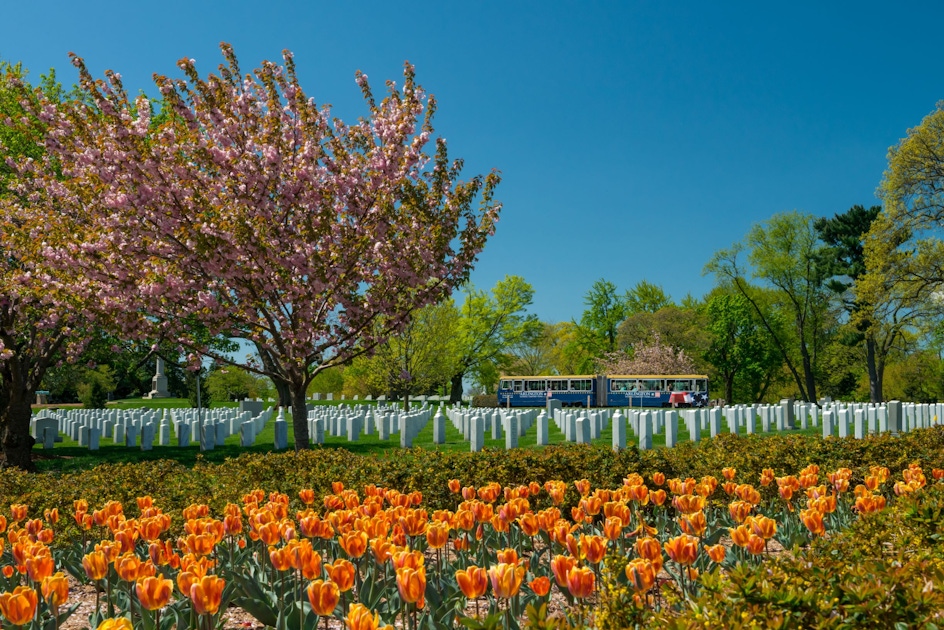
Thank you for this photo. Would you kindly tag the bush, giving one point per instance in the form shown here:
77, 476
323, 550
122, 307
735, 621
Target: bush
485, 400
93, 395
885, 571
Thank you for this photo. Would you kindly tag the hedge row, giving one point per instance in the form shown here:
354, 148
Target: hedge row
174, 486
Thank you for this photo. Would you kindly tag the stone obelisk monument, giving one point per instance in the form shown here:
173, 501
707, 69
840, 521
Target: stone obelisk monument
159, 382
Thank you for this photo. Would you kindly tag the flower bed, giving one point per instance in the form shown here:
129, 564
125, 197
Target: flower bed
648, 549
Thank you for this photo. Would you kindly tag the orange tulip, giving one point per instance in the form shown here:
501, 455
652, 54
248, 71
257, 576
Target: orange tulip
354, 544
657, 497
529, 524
641, 574
414, 522
581, 582
342, 573
740, 535
323, 596
506, 579
756, 544
740, 510
360, 618
762, 526
682, 549
508, 555
153, 592
437, 535
540, 585
649, 548
128, 566
689, 503
207, 594
729, 473
307, 495
716, 553
694, 524
593, 548
813, 519
560, 565
18, 512
40, 566
411, 584
55, 590
119, 623
613, 527
583, 487
473, 582
658, 478
20, 605
96, 565
766, 476
747, 492
870, 503
454, 486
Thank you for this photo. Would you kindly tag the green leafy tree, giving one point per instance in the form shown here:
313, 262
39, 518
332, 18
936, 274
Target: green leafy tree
784, 255
646, 297
678, 326
96, 385
232, 383
904, 253
418, 360
535, 355
489, 324
739, 346
877, 323
597, 332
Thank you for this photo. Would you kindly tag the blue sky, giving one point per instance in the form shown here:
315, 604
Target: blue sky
635, 138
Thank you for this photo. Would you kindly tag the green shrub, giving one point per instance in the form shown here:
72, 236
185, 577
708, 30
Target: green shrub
485, 400
885, 571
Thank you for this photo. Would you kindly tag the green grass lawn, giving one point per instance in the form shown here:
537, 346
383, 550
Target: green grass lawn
69, 456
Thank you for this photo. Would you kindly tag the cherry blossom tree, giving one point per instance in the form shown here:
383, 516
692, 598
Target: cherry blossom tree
649, 357
40, 315
240, 208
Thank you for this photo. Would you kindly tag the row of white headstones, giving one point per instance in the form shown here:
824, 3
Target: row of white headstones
144, 429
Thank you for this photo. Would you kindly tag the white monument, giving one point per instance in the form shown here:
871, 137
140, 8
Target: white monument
159, 382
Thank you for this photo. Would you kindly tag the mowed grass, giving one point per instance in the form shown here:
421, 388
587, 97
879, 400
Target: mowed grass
68, 456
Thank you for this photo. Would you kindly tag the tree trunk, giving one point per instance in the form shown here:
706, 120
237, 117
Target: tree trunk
729, 388
875, 379
809, 377
300, 415
15, 435
283, 391
455, 392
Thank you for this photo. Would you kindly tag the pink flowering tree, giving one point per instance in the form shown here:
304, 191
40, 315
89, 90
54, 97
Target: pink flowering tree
242, 209
652, 357
41, 317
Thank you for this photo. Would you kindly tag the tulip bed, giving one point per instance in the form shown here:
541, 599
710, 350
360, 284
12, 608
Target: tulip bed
650, 549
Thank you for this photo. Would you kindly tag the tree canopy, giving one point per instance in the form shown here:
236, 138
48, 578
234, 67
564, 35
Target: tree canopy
246, 211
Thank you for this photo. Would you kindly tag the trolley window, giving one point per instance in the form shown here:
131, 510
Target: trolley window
517, 386
653, 384
581, 384
620, 385
680, 385
558, 385
535, 386
505, 384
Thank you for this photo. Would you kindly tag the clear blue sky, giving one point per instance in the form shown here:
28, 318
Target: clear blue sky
635, 138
